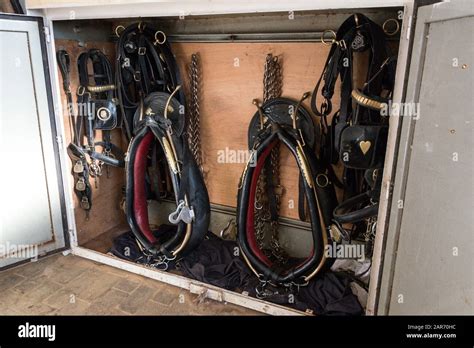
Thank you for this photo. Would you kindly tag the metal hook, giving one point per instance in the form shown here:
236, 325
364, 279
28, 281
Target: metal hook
117, 28
169, 100
295, 110
227, 227
260, 112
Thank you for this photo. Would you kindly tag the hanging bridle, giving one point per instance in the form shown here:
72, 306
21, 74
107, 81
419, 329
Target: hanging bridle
96, 110
357, 134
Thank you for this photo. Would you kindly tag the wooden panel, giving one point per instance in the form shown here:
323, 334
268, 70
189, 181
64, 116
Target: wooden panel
232, 76
105, 213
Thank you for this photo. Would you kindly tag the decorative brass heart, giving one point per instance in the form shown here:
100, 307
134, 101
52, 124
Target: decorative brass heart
365, 146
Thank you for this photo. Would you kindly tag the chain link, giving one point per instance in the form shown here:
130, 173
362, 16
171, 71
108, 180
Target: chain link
193, 129
272, 88
369, 235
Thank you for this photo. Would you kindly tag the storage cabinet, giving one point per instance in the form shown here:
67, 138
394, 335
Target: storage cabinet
233, 40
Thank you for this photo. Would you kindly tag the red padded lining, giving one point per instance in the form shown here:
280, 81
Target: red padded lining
140, 206
250, 209
251, 214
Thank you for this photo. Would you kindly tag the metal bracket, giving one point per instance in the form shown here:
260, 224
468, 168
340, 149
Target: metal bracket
204, 292
59, 140
47, 34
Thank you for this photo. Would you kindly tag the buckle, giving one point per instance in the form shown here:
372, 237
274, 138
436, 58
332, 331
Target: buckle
137, 76
85, 204
141, 51
342, 44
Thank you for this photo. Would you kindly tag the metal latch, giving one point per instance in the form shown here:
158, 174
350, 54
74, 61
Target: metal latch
59, 140
204, 292
47, 35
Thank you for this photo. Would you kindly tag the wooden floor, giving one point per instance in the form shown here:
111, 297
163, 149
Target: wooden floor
70, 285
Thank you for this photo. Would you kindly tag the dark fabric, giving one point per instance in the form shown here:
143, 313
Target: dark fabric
330, 294
125, 246
216, 261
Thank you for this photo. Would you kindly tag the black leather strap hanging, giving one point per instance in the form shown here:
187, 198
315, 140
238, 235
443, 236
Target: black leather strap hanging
144, 65
95, 110
356, 136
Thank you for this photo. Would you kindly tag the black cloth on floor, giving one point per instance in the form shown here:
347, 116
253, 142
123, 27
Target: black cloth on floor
330, 294
125, 246
218, 262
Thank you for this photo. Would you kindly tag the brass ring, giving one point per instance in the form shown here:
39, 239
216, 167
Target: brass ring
328, 43
117, 29
397, 28
326, 182
156, 38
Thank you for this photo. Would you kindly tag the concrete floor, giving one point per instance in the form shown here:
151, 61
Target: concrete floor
70, 285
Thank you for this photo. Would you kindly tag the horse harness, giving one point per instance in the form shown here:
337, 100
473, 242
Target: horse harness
96, 110
357, 134
269, 126
153, 103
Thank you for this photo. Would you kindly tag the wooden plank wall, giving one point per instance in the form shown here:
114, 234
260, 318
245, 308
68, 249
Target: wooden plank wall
232, 76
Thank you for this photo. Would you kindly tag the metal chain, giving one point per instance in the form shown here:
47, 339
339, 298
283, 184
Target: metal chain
272, 78
272, 88
369, 235
193, 129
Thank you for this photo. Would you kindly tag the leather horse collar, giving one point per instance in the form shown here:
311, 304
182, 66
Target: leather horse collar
156, 125
317, 189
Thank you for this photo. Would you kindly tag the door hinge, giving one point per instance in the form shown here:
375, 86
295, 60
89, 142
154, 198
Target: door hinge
59, 140
409, 27
47, 34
